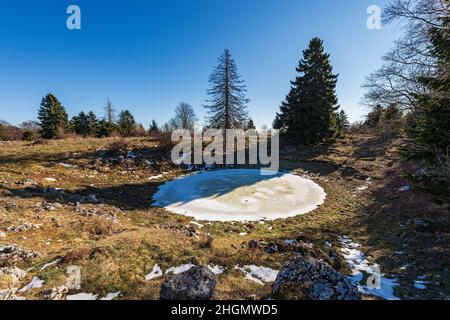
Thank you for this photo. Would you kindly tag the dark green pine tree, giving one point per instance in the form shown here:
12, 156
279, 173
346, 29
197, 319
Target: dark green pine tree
79, 124
126, 122
53, 117
84, 124
431, 123
92, 123
250, 125
308, 113
227, 103
153, 127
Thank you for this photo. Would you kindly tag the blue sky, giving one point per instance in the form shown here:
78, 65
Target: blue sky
149, 55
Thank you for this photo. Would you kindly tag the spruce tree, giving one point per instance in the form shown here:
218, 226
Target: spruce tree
92, 123
308, 113
126, 122
431, 122
79, 124
227, 103
52, 116
250, 125
154, 127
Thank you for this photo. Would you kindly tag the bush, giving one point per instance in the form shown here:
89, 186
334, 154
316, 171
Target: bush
29, 136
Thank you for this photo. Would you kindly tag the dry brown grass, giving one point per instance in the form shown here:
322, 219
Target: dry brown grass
117, 256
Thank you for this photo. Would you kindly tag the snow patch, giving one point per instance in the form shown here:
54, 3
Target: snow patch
34, 284
179, 269
217, 270
361, 266
111, 296
260, 275
82, 296
51, 264
156, 273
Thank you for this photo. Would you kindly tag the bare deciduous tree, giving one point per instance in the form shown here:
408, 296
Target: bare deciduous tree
184, 118
396, 82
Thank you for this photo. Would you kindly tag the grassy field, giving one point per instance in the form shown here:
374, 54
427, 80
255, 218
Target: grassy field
117, 237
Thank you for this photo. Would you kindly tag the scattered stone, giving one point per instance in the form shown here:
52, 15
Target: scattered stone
91, 198
2, 234
11, 255
9, 294
307, 278
55, 293
24, 227
14, 273
26, 182
198, 283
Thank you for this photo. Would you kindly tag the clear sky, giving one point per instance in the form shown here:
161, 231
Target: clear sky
149, 55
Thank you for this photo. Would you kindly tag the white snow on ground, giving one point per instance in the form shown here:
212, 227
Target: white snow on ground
159, 176
82, 296
156, 273
217, 270
257, 274
50, 179
196, 224
51, 264
420, 283
240, 195
111, 296
67, 165
361, 266
34, 284
179, 269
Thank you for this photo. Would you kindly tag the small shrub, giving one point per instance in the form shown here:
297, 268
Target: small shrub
29, 136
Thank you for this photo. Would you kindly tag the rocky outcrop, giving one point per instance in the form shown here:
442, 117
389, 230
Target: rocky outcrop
12, 254
55, 293
14, 274
307, 278
197, 283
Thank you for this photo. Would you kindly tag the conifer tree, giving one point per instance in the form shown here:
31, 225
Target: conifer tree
153, 127
308, 113
126, 122
250, 125
431, 123
227, 103
52, 116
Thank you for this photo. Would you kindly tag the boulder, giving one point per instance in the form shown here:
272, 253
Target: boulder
307, 278
197, 283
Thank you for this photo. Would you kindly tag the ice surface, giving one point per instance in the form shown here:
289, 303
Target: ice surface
239, 195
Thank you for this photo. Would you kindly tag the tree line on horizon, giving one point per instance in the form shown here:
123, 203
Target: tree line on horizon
309, 114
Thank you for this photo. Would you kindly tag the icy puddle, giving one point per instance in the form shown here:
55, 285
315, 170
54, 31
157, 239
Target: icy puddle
239, 195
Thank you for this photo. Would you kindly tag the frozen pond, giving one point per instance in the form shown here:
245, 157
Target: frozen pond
239, 195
